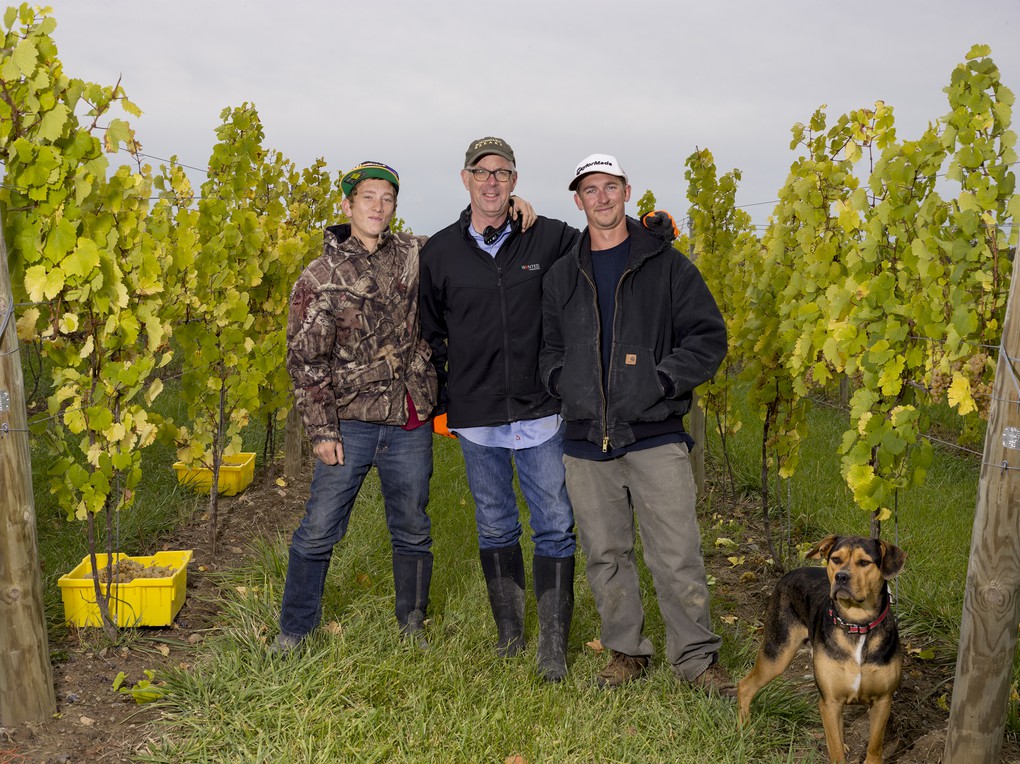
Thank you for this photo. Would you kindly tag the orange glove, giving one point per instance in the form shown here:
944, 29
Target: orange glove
439, 426
661, 223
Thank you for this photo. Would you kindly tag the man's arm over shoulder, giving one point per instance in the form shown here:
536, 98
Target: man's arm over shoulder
571, 236
411, 239
550, 358
699, 331
432, 309
560, 236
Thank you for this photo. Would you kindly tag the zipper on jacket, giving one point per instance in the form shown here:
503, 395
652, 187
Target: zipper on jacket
506, 338
507, 381
598, 358
612, 354
502, 311
605, 390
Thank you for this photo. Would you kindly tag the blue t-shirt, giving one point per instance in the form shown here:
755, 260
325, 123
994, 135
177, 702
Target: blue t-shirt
607, 267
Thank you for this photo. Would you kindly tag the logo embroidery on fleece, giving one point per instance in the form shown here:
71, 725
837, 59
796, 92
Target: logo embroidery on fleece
532, 267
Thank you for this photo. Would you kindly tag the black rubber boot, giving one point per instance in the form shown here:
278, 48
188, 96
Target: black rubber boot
412, 576
554, 591
301, 609
504, 578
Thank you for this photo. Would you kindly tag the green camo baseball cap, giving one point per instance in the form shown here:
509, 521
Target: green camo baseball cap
369, 170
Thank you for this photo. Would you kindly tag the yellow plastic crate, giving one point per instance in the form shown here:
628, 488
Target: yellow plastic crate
236, 474
142, 602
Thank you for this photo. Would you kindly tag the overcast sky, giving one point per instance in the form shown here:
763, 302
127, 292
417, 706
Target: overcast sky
411, 83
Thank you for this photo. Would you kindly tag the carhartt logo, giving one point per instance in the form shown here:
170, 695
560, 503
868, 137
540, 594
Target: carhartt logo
532, 267
630, 359
597, 163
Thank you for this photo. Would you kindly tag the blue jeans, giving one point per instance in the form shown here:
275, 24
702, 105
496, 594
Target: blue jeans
403, 459
490, 474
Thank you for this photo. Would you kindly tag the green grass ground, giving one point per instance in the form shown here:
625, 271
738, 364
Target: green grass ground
357, 693
932, 522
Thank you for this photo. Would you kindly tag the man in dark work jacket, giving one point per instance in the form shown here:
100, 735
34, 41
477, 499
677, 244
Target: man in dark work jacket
630, 329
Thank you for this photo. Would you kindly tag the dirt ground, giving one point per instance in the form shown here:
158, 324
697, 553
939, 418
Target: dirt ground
95, 724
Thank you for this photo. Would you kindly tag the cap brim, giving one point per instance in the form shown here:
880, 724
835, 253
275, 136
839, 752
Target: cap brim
380, 173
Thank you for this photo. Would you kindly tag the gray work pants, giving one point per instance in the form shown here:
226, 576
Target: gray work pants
655, 486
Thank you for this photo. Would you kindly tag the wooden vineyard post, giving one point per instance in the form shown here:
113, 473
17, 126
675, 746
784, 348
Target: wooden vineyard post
991, 608
26, 681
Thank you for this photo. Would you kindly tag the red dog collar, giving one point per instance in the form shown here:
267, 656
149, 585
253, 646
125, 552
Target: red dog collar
861, 628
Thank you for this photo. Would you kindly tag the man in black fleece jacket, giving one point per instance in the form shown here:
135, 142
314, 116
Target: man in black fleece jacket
481, 310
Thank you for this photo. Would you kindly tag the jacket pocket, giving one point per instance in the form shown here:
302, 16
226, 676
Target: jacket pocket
421, 379
579, 384
351, 380
634, 386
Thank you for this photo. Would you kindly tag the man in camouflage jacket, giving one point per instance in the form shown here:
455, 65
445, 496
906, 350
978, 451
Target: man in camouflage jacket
365, 386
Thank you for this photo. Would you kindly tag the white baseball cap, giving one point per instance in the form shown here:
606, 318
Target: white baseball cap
597, 163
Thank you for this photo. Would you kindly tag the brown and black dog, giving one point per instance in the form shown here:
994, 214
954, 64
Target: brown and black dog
843, 612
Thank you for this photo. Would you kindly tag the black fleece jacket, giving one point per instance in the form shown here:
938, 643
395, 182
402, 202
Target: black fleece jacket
482, 317
667, 326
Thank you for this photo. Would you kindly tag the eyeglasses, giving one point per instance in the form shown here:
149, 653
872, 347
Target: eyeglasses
481, 174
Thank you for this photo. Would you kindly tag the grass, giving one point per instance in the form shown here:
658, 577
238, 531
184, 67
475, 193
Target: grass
161, 506
357, 692
933, 522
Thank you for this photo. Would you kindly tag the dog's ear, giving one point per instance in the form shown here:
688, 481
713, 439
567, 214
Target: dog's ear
892, 560
820, 551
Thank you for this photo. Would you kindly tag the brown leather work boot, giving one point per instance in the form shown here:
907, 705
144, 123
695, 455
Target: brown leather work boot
622, 668
715, 679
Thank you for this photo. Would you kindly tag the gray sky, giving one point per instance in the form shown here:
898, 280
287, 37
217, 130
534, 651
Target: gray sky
411, 83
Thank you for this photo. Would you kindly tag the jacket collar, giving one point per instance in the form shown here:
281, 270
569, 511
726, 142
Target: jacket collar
348, 243
643, 245
465, 224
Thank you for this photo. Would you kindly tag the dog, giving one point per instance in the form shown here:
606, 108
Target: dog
843, 611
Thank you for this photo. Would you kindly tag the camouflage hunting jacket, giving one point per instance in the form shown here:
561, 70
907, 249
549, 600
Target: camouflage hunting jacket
354, 346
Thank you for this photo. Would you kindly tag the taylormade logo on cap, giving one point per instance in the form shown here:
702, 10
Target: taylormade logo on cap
597, 163
593, 163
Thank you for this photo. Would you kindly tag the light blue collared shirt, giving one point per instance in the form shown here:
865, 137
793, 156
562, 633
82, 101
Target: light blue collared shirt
516, 435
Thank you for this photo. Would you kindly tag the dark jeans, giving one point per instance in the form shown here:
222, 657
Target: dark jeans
490, 473
403, 459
